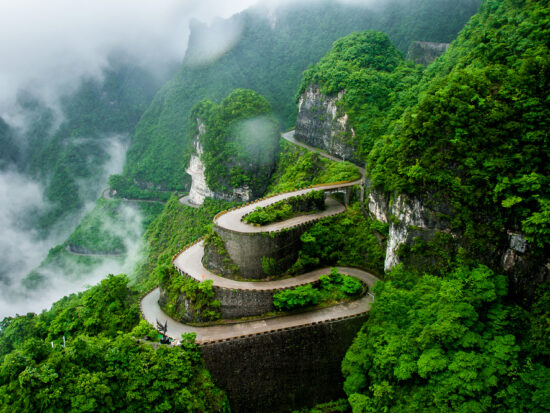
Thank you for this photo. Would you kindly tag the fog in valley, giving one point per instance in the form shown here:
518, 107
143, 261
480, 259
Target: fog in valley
49, 50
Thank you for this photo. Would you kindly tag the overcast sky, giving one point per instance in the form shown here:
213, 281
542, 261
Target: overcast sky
46, 45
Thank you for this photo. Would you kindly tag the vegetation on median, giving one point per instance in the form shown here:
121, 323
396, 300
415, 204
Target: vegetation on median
331, 289
313, 201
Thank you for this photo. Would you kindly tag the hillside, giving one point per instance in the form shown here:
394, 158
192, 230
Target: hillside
69, 151
269, 57
455, 224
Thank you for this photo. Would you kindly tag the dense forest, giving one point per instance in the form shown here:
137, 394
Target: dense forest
269, 58
239, 143
451, 329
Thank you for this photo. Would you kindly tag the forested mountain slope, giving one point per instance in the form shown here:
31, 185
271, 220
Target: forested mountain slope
446, 333
272, 51
68, 151
82, 355
476, 146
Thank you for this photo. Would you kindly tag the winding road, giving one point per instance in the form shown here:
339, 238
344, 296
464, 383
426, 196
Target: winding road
185, 200
189, 261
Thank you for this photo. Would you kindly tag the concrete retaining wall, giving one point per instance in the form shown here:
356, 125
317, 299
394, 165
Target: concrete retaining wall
244, 303
285, 369
247, 249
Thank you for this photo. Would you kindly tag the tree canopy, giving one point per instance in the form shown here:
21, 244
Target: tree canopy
445, 344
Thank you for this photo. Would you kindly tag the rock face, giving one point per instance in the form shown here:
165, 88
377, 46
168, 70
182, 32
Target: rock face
426, 52
199, 189
409, 219
524, 270
320, 124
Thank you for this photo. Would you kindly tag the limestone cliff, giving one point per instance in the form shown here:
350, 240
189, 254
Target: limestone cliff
199, 188
408, 220
412, 223
426, 52
321, 124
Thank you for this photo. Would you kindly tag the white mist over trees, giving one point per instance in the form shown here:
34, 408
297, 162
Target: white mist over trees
74, 81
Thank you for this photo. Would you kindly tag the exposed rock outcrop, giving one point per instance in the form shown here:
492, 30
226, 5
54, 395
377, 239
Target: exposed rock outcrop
320, 124
408, 219
426, 52
199, 188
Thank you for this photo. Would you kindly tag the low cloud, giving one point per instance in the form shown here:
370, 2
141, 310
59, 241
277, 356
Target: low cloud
70, 272
22, 250
47, 46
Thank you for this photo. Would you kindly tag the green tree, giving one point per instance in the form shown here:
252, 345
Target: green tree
447, 345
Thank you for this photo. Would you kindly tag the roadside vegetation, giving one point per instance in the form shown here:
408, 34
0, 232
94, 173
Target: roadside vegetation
311, 202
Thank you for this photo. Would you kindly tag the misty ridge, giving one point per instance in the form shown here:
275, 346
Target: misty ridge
78, 100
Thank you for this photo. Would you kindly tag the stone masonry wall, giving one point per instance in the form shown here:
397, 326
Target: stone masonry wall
319, 124
247, 249
283, 370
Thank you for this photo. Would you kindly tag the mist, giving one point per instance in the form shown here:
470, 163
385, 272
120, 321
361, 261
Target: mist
48, 46
22, 249
47, 49
69, 274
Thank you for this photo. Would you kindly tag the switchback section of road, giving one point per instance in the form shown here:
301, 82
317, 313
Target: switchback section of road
189, 262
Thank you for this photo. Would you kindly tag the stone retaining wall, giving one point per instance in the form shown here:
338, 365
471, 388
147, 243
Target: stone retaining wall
284, 369
247, 249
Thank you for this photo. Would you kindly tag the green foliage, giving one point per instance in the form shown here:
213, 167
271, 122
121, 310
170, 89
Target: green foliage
299, 297
378, 84
105, 310
214, 244
103, 367
341, 283
336, 406
300, 168
109, 223
125, 188
442, 344
271, 60
177, 289
539, 334
239, 142
287, 208
92, 232
175, 227
331, 289
344, 239
477, 141
436, 256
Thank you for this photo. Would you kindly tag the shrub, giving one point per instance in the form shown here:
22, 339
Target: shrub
299, 297
287, 208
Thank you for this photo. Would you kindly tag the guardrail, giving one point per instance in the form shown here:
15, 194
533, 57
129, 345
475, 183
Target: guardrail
186, 247
278, 330
337, 184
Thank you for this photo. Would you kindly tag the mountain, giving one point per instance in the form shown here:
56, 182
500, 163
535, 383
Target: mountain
269, 55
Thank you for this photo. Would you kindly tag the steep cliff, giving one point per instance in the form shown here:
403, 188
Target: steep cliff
426, 52
477, 143
348, 100
410, 222
321, 124
199, 189
234, 148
